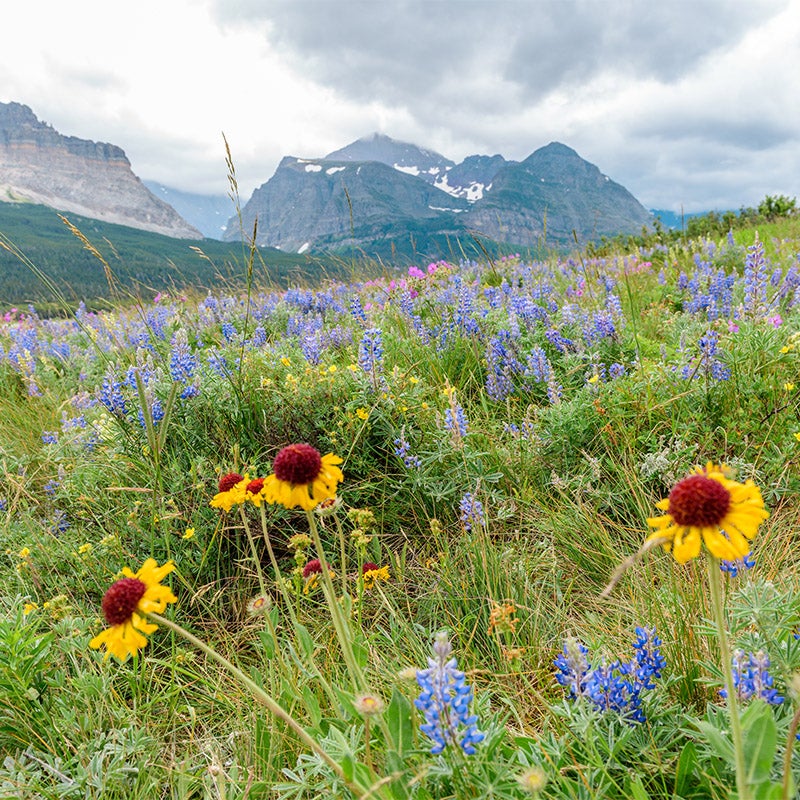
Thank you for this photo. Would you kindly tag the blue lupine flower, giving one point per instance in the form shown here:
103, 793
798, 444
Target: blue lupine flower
456, 421
401, 448
357, 310
617, 686
616, 370
572, 666
733, 567
755, 280
259, 337
49, 437
708, 363
649, 661
183, 365
444, 701
471, 511
228, 331
502, 364
610, 688
59, 523
111, 394
370, 353
751, 678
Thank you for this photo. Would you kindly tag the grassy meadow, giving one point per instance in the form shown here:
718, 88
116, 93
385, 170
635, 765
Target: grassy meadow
506, 429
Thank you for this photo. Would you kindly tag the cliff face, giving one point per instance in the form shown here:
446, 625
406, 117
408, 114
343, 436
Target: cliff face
93, 179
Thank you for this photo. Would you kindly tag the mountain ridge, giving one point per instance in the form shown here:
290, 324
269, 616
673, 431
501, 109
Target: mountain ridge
343, 200
94, 179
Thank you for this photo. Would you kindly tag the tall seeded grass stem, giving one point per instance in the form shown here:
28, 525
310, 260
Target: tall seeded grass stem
715, 584
254, 552
340, 624
787, 758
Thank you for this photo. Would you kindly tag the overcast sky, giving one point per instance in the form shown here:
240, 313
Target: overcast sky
691, 103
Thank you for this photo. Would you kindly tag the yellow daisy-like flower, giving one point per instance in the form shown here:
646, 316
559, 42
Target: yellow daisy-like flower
302, 477
373, 574
232, 491
709, 507
126, 604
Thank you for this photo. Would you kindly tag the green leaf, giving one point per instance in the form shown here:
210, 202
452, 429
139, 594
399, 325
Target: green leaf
719, 741
760, 736
305, 641
636, 790
267, 644
348, 765
768, 791
312, 705
685, 769
360, 650
399, 721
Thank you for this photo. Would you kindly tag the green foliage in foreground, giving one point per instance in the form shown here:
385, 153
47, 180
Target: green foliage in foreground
586, 387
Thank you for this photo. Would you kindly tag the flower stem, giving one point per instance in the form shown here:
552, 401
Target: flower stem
263, 697
715, 584
787, 759
340, 624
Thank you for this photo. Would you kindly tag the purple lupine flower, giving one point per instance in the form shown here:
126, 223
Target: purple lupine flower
471, 511
733, 567
456, 421
751, 678
755, 280
401, 450
444, 701
370, 353
617, 686
572, 666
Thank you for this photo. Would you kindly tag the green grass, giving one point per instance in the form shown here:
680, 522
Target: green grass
566, 488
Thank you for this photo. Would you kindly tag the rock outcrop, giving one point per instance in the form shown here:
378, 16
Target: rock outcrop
94, 179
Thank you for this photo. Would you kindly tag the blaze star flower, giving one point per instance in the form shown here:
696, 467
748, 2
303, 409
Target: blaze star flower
302, 477
709, 507
126, 605
232, 491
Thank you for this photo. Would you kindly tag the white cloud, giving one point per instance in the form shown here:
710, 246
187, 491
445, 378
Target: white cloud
688, 102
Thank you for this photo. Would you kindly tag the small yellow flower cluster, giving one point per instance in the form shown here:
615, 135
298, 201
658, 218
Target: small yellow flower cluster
57, 607
373, 576
502, 618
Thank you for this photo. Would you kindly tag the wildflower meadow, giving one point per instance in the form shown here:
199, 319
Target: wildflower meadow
524, 527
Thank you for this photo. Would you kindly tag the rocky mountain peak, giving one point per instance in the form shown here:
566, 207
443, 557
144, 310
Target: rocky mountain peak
94, 179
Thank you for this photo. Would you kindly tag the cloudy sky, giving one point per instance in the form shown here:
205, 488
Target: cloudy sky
690, 103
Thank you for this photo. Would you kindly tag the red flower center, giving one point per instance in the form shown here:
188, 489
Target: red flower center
699, 501
368, 566
255, 486
313, 566
297, 464
121, 599
227, 482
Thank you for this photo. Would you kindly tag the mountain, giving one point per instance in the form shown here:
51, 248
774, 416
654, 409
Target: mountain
208, 213
329, 204
552, 193
378, 195
39, 165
